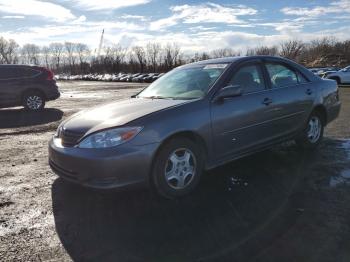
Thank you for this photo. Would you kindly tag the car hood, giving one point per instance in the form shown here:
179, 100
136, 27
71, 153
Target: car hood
116, 114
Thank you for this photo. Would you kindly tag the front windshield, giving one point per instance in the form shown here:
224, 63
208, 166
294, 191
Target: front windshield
185, 83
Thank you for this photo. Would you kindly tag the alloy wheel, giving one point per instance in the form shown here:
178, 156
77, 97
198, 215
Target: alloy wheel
34, 102
314, 129
180, 168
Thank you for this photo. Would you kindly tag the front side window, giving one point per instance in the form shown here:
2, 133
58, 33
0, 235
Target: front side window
185, 83
249, 78
281, 76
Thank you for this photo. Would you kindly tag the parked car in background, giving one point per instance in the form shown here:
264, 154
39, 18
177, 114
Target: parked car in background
28, 86
150, 77
139, 78
194, 118
120, 77
314, 70
342, 76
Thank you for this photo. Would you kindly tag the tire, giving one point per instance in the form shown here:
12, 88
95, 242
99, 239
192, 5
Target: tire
312, 135
33, 101
171, 173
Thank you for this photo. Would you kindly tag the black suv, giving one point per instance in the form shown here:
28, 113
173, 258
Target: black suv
29, 86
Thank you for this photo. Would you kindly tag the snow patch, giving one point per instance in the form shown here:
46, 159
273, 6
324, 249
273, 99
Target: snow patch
76, 94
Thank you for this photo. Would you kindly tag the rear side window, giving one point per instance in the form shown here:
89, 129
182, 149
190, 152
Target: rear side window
27, 72
250, 78
282, 76
17, 72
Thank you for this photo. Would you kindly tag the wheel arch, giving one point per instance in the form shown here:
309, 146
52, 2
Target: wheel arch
321, 109
192, 135
33, 89
336, 78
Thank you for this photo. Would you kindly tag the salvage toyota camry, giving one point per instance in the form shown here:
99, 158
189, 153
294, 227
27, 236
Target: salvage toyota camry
194, 118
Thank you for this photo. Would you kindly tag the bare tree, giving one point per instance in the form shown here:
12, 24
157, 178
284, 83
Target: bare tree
8, 51
263, 50
140, 54
153, 52
83, 53
70, 49
46, 56
116, 54
56, 50
224, 52
199, 57
292, 49
171, 54
30, 54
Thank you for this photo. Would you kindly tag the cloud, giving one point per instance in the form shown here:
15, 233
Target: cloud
36, 8
201, 41
335, 7
203, 13
13, 17
108, 4
88, 32
79, 20
134, 17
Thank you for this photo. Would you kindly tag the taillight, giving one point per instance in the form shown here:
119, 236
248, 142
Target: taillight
49, 74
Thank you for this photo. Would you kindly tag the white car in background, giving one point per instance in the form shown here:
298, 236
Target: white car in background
342, 76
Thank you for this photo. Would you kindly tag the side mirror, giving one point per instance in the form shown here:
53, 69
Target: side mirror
228, 91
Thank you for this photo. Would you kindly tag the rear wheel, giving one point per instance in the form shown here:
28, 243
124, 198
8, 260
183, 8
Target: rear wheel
177, 168
312, 135
33, 101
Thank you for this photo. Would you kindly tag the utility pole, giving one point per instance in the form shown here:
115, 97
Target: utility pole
101, 43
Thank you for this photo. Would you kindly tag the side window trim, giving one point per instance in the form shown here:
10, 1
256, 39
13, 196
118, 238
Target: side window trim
259, 65
294, 70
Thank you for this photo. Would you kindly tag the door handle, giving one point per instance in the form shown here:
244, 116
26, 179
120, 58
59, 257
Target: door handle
308, 91
267, 101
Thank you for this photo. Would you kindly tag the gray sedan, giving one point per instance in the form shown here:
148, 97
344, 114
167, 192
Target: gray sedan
194, 118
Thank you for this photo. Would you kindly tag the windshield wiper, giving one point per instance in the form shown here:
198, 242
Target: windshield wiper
184, 98
156, 97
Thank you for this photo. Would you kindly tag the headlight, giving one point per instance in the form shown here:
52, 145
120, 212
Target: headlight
58, 131
110, 137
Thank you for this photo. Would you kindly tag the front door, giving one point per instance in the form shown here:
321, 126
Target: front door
242, 122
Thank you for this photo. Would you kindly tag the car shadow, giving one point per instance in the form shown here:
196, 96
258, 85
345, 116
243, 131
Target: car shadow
237, 210
11, 118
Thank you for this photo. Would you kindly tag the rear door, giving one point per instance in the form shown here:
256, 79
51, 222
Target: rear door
293, 96
242, 122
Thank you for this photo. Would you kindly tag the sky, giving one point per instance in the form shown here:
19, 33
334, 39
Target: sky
197, 26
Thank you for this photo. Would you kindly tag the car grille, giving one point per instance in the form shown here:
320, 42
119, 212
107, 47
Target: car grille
70, 138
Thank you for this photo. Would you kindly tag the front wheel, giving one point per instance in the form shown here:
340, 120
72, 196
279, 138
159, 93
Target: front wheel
177, 168
312, 135
33, 101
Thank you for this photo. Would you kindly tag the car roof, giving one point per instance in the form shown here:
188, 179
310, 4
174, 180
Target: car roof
233, 59
237, 59
17, 65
